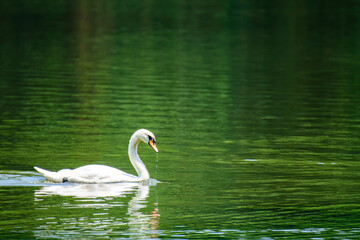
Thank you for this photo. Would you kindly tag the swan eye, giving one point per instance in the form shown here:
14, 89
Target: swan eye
150, 139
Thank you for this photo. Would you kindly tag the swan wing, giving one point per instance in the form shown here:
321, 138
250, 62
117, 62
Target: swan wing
100, 174
89, 174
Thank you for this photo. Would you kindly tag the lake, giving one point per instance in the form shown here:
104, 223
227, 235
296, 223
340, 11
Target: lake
255, 106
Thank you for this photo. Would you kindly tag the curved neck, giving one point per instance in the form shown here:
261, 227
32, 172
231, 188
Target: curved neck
135, 159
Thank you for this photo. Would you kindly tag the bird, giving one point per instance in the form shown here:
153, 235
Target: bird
96, 173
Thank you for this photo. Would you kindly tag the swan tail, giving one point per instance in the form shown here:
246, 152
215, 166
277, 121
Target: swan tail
51, 176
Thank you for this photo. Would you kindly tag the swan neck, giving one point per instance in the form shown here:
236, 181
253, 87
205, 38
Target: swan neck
135, 160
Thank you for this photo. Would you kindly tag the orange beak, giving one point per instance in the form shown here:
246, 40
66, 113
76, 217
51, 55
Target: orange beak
152, 144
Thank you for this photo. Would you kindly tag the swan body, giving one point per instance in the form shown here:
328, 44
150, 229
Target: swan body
95, 173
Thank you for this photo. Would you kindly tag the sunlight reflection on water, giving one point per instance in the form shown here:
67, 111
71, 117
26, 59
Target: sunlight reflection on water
20, 178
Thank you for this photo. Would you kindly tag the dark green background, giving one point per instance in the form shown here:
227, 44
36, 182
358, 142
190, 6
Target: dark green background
255, 106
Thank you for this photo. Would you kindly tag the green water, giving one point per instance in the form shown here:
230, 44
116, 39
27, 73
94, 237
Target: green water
255, 106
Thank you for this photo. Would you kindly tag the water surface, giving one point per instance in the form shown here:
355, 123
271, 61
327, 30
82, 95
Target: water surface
255, 107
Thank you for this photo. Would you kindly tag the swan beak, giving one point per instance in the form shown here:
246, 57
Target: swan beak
152, 144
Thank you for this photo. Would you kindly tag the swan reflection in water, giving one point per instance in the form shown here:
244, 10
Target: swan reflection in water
97, 209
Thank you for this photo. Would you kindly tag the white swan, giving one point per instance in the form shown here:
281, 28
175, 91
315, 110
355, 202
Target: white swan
104, 174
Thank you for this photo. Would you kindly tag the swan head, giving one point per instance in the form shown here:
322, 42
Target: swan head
147, 137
